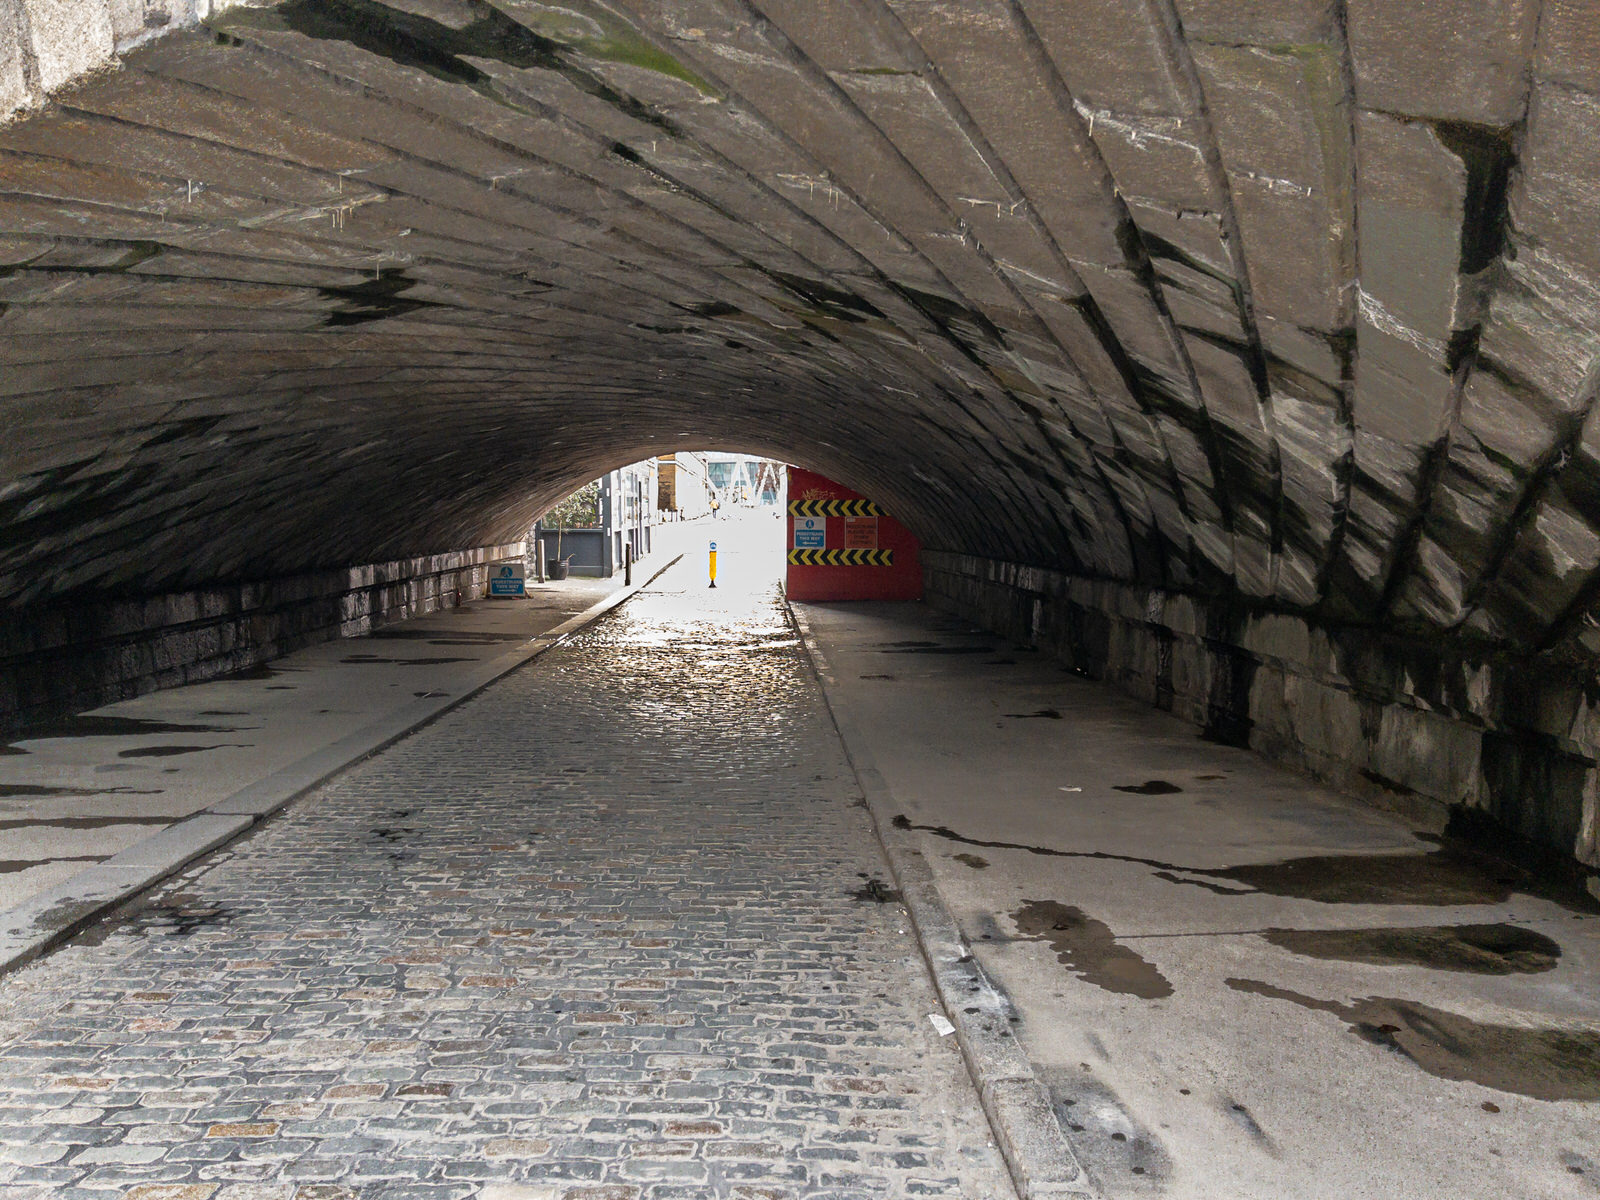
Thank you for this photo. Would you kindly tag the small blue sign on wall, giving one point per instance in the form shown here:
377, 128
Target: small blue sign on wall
810, 533
508, 579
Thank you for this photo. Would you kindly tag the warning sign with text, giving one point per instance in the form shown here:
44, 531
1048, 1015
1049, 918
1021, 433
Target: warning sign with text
861, 533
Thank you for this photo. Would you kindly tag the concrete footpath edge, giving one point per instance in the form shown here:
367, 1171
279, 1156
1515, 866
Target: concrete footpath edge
1036, 1149
50, 918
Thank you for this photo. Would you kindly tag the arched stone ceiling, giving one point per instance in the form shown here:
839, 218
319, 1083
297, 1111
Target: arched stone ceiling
1287, 299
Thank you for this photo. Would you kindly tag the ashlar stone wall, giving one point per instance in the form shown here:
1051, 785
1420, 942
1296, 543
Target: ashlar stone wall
1472, 742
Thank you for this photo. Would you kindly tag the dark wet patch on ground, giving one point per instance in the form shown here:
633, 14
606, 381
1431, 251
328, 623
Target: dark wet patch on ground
170, 751
11, 866
877, 892
1209, 778
933, 648
1450, 875
30, 789
84, 822
261, 671
1119, 1152
1542, 1063
1048, 714
430, 695
877, 677
1150, 787
1479, 949
976, 861
1443, 877
7, 748
373, 659
223, 712
178, 915
88, 726
442, 637
1089, 949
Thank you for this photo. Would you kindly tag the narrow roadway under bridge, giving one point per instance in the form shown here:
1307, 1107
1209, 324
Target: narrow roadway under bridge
633, 924
1246, 354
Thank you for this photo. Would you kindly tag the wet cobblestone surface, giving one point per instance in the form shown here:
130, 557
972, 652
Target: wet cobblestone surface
603, 933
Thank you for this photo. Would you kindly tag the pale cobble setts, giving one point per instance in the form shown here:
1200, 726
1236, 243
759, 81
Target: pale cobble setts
604, 932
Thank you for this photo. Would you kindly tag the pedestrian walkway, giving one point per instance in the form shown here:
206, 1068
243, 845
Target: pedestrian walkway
1235, 983
615, 929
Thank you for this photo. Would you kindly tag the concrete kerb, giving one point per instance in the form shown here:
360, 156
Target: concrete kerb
1036, 1149
52, 917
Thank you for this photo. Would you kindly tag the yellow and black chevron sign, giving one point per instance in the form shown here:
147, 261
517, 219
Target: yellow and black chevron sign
834, 508
841, 558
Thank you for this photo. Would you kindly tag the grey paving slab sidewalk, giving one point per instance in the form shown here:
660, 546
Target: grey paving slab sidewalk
102, 804
614, 929
1232, 981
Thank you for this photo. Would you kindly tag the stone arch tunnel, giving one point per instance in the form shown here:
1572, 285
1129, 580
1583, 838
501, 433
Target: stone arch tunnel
1243, 353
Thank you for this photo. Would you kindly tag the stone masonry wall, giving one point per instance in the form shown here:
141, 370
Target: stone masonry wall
61, 659
1499, 745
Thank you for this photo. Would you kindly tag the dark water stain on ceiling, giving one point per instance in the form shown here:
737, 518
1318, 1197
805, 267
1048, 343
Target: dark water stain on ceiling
1540, 1062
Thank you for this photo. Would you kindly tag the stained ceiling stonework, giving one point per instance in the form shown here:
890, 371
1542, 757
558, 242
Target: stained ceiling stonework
1287, 300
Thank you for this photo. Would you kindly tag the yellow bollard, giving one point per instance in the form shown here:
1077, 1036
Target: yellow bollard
713, 564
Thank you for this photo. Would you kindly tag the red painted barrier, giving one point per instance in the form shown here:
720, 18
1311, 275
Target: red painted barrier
842, 547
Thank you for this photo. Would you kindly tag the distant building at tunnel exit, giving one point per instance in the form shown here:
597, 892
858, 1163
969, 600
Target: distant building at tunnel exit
626, 513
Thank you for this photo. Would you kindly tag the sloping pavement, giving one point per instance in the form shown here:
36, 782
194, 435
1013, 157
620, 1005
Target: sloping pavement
1234, 983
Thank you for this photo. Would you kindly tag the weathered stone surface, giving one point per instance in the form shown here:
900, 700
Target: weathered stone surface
1194, 295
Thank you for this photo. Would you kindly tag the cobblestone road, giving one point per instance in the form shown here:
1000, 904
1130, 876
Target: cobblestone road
606, 932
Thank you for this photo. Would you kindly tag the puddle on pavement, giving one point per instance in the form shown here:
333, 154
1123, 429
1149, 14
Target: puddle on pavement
976, 861
170, 751
1442, 877
933, 648
1541, 1063
262, 671
1478, 949
1089, 949
84, 822
877, 892
13, 866
441, 637
1047, 714
13, 790
1150, 787
87, 726
176, 915
877, 677
1447, 876
372, 659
